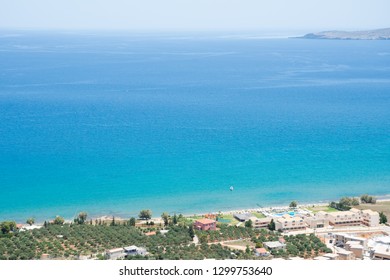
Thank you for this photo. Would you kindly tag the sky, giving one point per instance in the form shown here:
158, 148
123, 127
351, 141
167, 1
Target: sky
195, 15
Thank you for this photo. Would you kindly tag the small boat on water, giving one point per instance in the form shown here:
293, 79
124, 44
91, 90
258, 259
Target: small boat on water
231, 188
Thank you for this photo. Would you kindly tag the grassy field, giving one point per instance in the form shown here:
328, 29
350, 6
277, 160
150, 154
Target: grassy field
380, 206
322, 208
195, 217
233, 221
258, 215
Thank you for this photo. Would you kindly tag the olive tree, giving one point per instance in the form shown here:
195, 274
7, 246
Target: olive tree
145, 214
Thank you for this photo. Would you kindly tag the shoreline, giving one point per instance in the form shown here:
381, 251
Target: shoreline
279, 207
382, 198
305, 204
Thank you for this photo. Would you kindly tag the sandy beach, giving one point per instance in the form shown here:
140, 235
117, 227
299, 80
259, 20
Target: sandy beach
279, 208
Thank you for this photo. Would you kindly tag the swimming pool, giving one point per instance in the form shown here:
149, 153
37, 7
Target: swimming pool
225, 221
291, 213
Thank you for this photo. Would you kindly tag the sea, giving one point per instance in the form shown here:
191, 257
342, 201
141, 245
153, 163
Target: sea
113, 123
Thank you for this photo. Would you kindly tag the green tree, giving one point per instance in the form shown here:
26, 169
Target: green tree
333, 205
382, 218
203, 239
249, 223
365, 198
191, 231
132, 222
145, 214
30, 221
59, 220
165, 217
7, 226
174, 220
113, 223
81, 218
345, 203
355, 201
293, 204
271, 225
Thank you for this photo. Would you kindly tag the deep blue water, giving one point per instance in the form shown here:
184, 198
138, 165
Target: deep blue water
112, 124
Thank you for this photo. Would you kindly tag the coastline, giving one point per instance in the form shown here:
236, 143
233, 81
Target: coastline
279, 207
107, 217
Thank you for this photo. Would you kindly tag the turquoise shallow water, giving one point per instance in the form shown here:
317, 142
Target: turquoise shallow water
111, 124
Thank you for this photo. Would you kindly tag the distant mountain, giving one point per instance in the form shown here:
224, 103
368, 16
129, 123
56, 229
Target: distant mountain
378, 34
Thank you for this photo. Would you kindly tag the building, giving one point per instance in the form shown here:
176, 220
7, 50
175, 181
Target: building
353, 217
356, 248
115, 254
118, 253
379, 248
344, 254
331, 256
342, 218
384, 240
210, 216
261, 252
260, 222
205, 224
380, 252
370, 218
320, 220
344, 238
274, 245
288, 222
134, 251
243, 217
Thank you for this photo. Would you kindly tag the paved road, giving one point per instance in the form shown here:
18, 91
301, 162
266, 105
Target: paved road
195, 240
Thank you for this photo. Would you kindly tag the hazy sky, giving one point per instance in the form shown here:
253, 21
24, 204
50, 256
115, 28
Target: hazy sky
213, 15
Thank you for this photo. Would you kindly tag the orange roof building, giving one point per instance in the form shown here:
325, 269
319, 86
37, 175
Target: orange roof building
210, 216
261, 252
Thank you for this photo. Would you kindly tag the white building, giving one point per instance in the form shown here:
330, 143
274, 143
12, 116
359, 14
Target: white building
275, 245
344, 238
353, 217
118, 253
343, 218
379, 248
380, 252
344, 254
317, 221
134, 250
288, 222
260, 222
115, 254
370, 218
356, 248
